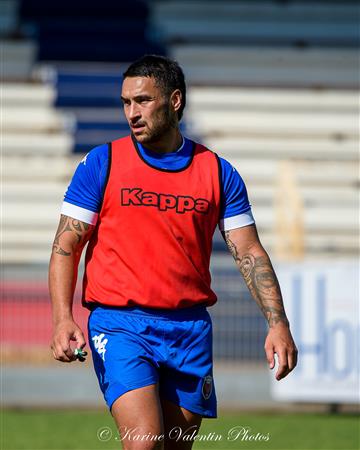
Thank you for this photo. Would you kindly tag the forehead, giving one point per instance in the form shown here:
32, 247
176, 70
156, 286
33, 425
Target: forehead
134, 86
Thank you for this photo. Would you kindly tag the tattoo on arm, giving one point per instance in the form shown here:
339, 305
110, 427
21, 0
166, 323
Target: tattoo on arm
68, 224
261, 280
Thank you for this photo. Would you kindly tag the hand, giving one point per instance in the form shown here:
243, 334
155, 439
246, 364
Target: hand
280, 341
64, 332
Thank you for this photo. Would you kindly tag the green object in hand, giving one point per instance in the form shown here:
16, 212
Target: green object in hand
80, 354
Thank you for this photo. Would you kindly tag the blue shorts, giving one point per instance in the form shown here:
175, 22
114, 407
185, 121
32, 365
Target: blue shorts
136, 347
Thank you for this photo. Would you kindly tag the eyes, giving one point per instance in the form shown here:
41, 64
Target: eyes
140, 101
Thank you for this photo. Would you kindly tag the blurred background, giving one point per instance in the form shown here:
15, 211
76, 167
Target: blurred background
273, 86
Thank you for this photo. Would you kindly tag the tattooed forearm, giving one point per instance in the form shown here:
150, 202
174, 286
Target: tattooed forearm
231, 247
261, 280
68, 224
264, 287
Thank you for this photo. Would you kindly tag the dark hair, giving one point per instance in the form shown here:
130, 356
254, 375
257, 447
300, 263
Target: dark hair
167, 73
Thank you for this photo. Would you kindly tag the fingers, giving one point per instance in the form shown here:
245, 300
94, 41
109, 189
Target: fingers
292, 358
59, 355
283, 368
269, 351
61, 347
280, 341
62, 350
287, 362
79, 338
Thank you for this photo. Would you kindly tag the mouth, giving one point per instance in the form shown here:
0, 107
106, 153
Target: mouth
137, 129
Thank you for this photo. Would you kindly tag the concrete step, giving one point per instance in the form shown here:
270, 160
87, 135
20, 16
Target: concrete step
47, 190
29, 237
28, 94
274, 124
35, 120
324, 149
44, 215
315, 243
308, 173
20, 57
40, 168
232, 56
337, 197
29, 144
316, 219
241, 99
216, 65
26, 256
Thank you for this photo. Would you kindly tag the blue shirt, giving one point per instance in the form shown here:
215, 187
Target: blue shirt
83, 197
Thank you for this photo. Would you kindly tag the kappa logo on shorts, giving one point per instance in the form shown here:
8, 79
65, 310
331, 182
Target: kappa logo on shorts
207, 387
180, 203
99, 343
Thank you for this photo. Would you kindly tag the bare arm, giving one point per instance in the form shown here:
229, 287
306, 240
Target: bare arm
258, 273
70, 239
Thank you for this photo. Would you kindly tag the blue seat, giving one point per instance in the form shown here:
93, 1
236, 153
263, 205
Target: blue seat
82, 31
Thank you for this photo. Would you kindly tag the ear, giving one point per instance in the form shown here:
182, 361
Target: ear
176, 99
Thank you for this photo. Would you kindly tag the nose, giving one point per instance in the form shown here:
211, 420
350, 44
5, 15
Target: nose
133, 113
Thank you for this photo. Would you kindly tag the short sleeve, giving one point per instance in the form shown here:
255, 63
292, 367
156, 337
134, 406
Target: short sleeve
236, 209
84, 195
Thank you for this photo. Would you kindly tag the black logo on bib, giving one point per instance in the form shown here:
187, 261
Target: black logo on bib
163, 202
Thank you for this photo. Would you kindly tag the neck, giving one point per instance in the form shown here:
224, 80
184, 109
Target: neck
168, 143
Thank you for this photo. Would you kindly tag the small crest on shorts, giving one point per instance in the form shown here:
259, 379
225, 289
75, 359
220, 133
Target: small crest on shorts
207, 387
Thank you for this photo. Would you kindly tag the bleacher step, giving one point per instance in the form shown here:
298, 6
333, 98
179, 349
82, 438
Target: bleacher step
29, 144
39, 168
255, 147
27, 94
275, 124
31, 119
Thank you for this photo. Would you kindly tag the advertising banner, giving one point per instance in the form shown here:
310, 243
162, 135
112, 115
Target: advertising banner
322, 303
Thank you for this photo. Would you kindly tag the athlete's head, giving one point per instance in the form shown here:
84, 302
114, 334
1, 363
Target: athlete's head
154, 96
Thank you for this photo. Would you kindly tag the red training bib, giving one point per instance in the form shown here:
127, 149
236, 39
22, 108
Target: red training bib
153, 240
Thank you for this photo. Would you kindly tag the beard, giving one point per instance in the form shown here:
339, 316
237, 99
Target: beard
163, 122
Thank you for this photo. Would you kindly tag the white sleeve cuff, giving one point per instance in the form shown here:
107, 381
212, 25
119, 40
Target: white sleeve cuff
82, 214
241, 220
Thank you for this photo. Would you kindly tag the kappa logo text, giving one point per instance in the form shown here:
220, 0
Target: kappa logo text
181, 203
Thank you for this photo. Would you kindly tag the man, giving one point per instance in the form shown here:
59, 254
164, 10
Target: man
148, 205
